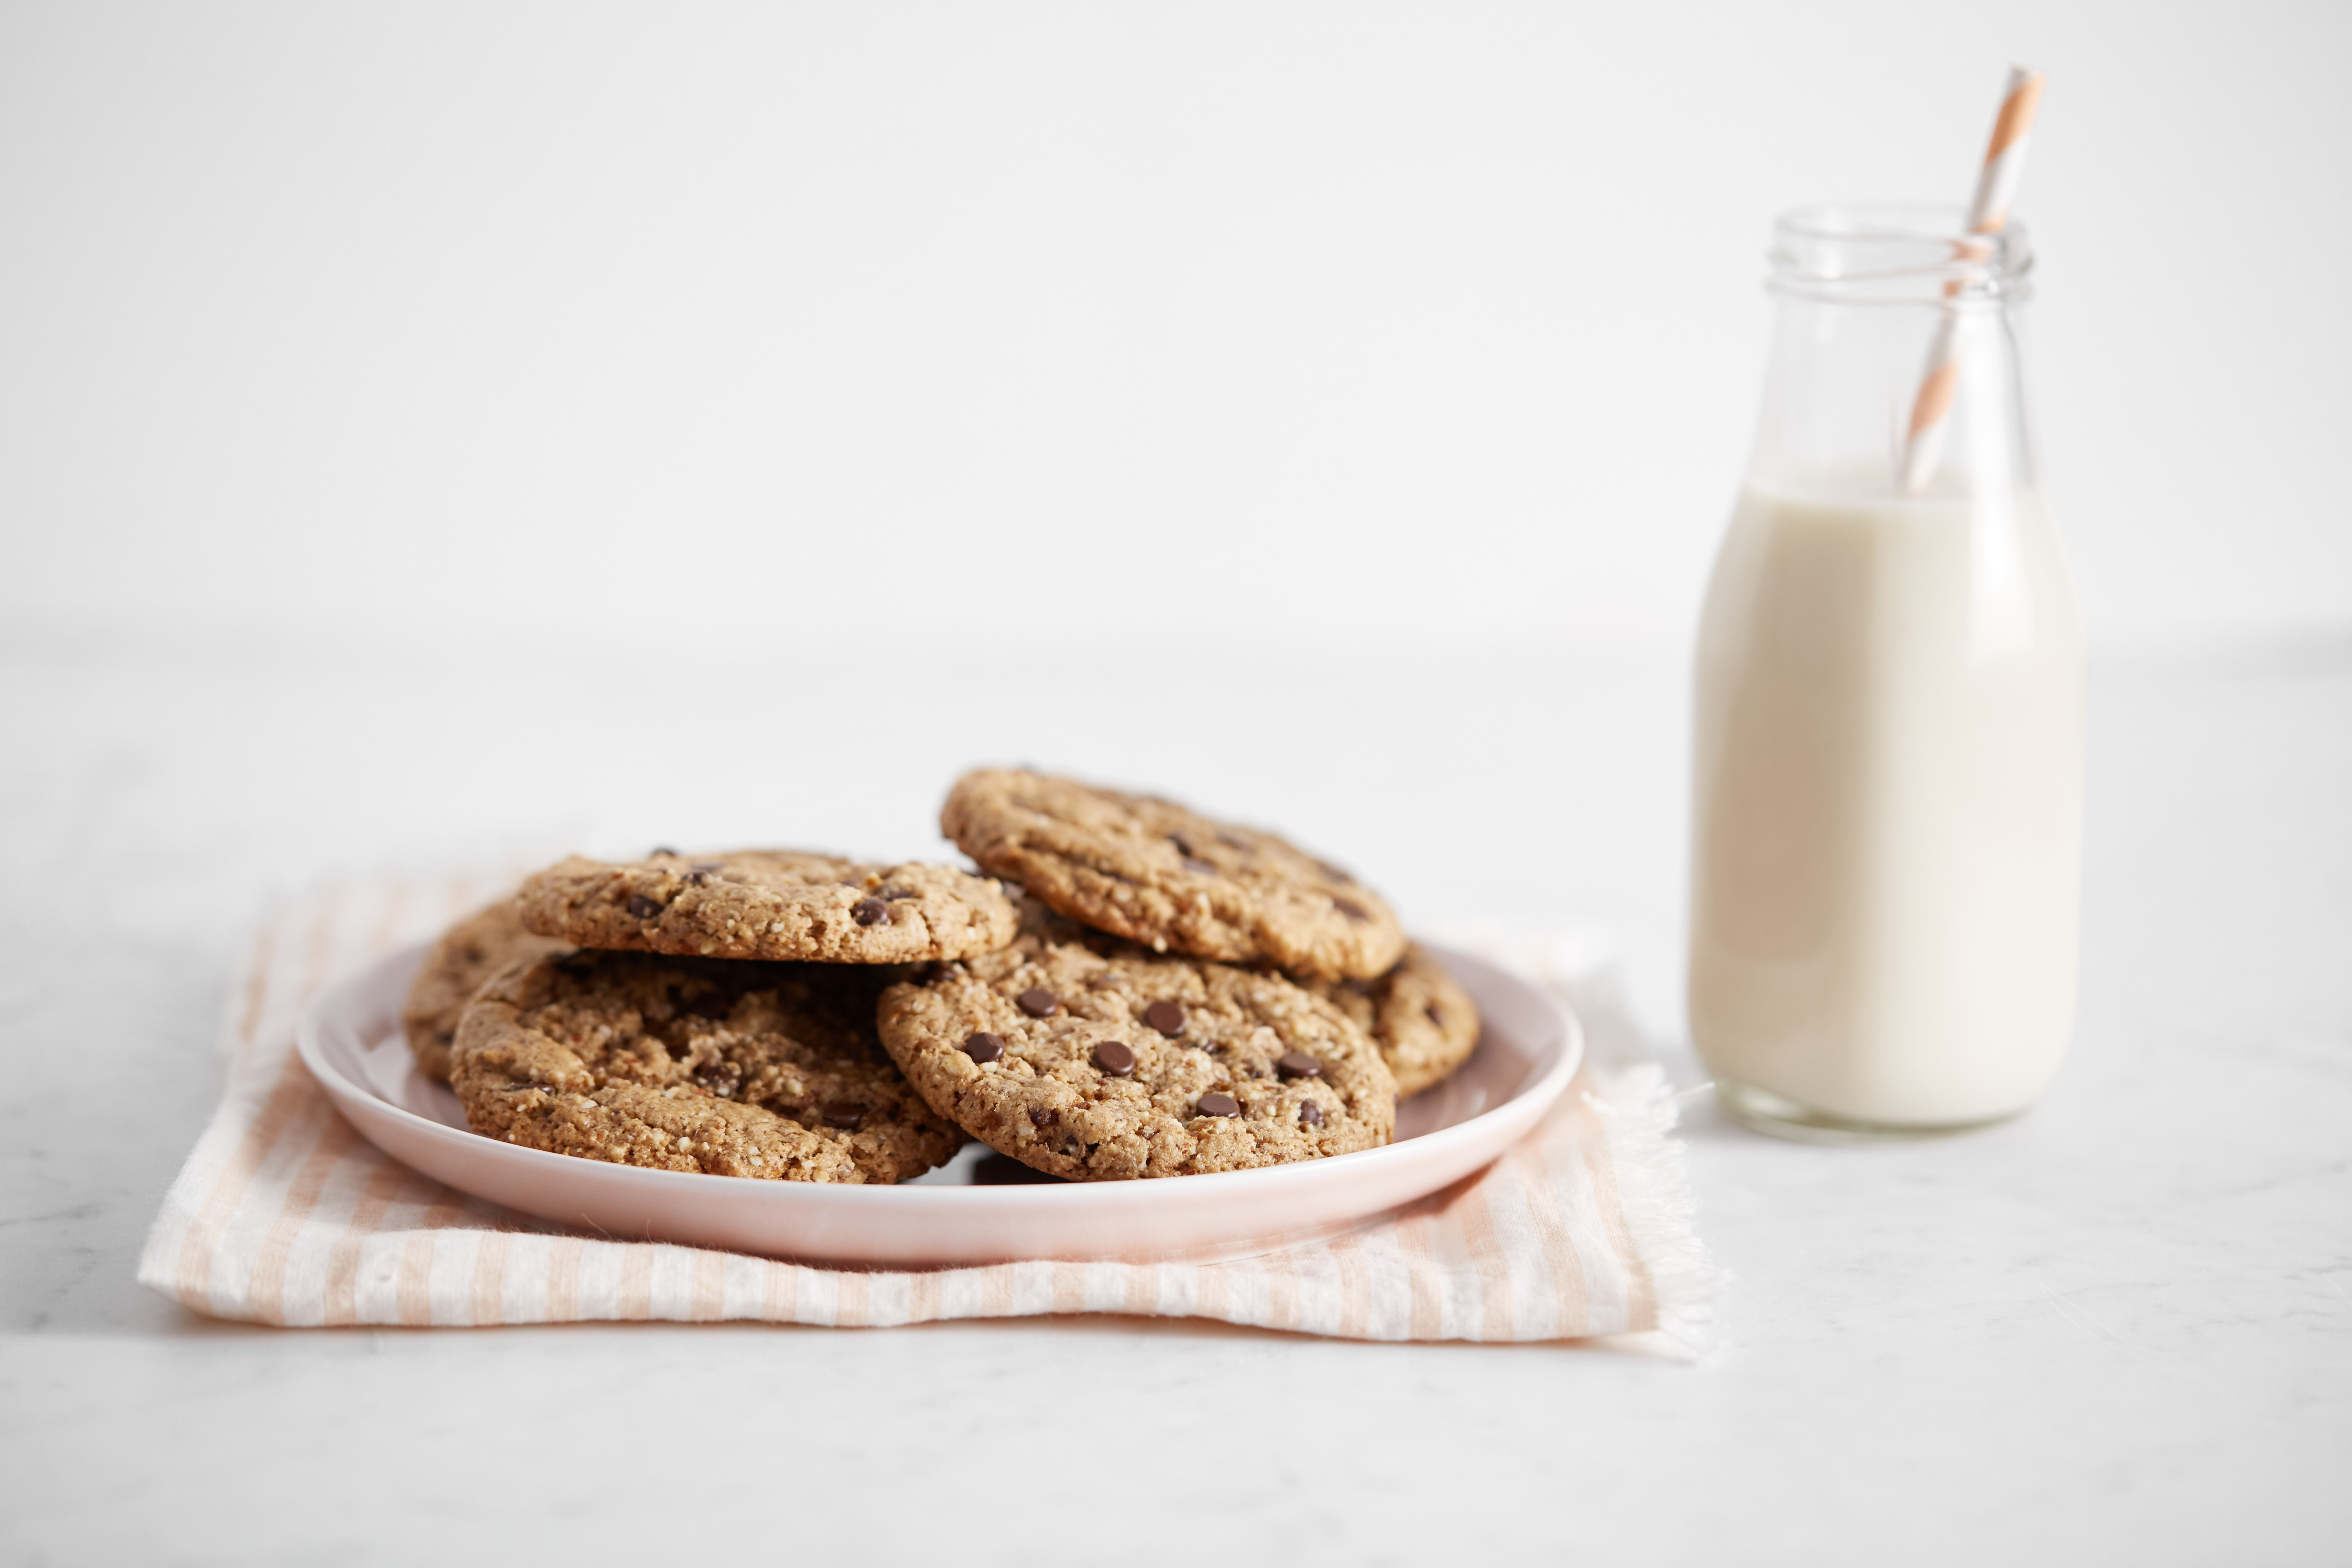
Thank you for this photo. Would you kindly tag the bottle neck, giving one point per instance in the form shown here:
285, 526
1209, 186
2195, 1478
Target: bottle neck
1870, 301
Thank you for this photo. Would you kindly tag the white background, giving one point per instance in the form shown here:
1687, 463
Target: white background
801, 331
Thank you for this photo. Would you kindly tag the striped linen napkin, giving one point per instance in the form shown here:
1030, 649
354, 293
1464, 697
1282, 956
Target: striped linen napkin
284, 1214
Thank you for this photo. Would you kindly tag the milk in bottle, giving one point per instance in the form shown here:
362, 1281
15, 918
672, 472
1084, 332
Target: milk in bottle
1889, 724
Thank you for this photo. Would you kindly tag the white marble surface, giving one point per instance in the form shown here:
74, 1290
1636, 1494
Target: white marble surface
2119, 1329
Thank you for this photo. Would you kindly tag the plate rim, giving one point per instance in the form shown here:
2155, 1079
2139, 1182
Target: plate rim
1543, 1090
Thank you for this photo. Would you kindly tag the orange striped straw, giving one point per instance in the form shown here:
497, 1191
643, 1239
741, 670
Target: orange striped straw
2004, 163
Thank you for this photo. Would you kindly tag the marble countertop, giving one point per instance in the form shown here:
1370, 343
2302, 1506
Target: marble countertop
2119, 1328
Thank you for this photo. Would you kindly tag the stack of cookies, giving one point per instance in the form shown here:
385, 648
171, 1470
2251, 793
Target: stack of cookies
1145, 992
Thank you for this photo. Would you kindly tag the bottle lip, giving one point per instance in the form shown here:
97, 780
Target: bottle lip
1889, 252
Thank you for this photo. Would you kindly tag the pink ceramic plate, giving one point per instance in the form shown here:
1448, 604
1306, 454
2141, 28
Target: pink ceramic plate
351, 1040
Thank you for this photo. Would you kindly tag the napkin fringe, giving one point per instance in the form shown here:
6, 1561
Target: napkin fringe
1638, 1111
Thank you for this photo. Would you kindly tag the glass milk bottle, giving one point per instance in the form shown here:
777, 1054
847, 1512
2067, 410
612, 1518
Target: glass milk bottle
1888, 797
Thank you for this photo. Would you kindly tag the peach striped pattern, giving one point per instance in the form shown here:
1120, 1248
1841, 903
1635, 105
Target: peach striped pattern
283, 1215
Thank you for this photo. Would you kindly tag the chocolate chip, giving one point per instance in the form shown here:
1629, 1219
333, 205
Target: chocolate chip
1114, 1058
868, 911
846, 1117
1352, 910
896, 893
1435, 1017
1311, 1114
1215, 1104
696, 878
1334, 872
1357, 987
983, 1047
642, 907
1230, 842
707, 866
1184, 846
1297, 1064
1003, 1171
665, 850
1038, 1002
1167, 1015
1041, 1117
1200, 867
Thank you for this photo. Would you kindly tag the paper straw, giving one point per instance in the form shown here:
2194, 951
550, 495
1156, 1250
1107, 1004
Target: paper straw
2004, 161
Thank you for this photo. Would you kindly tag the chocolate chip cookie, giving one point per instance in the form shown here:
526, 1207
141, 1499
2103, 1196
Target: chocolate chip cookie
732, 1068
459, 961
1424, 1022
1171, 878
772, 904
1095, 1060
